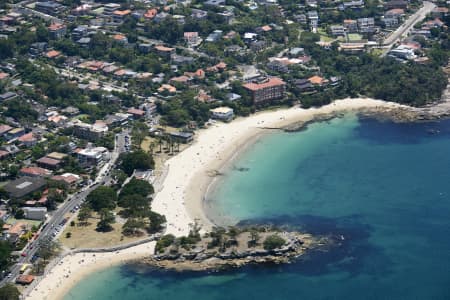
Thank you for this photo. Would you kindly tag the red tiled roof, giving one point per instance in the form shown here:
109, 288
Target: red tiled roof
48, 161
274, 81
163, 48
36, 171
135, 111
27, 137
56, 26
122, 12
151, 13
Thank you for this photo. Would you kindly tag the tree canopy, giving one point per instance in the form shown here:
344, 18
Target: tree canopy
102, 197
136, 160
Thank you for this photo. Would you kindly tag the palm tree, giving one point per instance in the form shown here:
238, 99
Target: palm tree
160, 142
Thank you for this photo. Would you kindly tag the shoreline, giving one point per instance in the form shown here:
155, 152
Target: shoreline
72, 268
181, 194
194, 171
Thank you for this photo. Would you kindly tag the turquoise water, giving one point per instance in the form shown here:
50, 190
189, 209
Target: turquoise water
385, 187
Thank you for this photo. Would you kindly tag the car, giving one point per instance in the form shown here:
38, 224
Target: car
9, 275
23, 254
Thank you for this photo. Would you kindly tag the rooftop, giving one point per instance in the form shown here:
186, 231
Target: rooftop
23, 186
271, 82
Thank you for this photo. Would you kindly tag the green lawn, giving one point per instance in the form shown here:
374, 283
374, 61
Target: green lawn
353, 37
12, 220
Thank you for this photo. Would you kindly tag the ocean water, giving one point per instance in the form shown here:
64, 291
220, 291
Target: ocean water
384, 187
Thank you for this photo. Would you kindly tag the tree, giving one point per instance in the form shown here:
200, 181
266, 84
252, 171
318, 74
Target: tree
47, 248
273, 241
5, 255
156, 221
135, 205
9, 292
84, 214
20, 214
136, 160
102, 197
68, 235
133, 226
106, 219
136, 186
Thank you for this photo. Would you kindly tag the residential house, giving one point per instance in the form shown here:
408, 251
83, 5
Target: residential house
28, 139
49, 7
164, 51
191, 38
49, 163
14, 232
160, 17
390, 22
351, 25
439, 12
14, 133
57, 30
110, 8
52, 54
120, 15
313, 18
79, 32
355, 4
7, 96
337, 30
150, 14
37, 48
366, 25
70, 180
396, 4
145, 48
303, 85
120, 38
34, 172
199, 14
136, 113
317, 80
266, 91
214, 36
394, 13
4, 129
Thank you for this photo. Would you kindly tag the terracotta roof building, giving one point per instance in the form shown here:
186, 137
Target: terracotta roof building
34, 172
262, 92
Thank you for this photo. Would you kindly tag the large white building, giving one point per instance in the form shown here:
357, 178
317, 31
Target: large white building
92, 156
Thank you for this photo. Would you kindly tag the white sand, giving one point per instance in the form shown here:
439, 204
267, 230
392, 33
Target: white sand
180, 198
73, 268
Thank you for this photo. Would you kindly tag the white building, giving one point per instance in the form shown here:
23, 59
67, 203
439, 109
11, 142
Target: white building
402, 52
222, 113
92, 156
35, 213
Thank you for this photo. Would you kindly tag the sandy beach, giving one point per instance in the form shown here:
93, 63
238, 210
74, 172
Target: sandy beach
190, 172
180, 198
73, 268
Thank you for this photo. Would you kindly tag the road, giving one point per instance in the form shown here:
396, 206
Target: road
409, 24
72, 201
